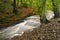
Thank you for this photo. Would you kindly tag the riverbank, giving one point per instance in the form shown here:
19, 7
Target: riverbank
11, 19
50, 31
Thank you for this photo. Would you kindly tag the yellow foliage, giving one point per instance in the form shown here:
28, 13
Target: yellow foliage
34, 1
27, 2
19, 4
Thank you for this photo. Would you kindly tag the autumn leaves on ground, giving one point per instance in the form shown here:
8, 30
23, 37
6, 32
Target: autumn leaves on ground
7, 19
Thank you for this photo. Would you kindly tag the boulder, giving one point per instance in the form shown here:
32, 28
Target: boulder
49, 15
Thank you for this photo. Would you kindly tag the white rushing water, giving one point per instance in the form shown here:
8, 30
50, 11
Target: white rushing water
29, 24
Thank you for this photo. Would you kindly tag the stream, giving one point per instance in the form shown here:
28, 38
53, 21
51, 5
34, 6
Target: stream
28, 25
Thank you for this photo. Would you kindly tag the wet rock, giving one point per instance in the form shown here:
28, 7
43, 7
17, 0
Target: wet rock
49, 15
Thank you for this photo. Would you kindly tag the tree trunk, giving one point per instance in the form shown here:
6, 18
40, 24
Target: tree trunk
21, 1
15, 7
43, 19
55, 8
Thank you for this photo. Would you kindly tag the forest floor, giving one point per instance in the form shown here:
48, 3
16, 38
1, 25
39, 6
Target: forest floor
8, 19
50, 31
11, 19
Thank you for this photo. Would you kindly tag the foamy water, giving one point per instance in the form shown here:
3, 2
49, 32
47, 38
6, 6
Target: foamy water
29, 24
